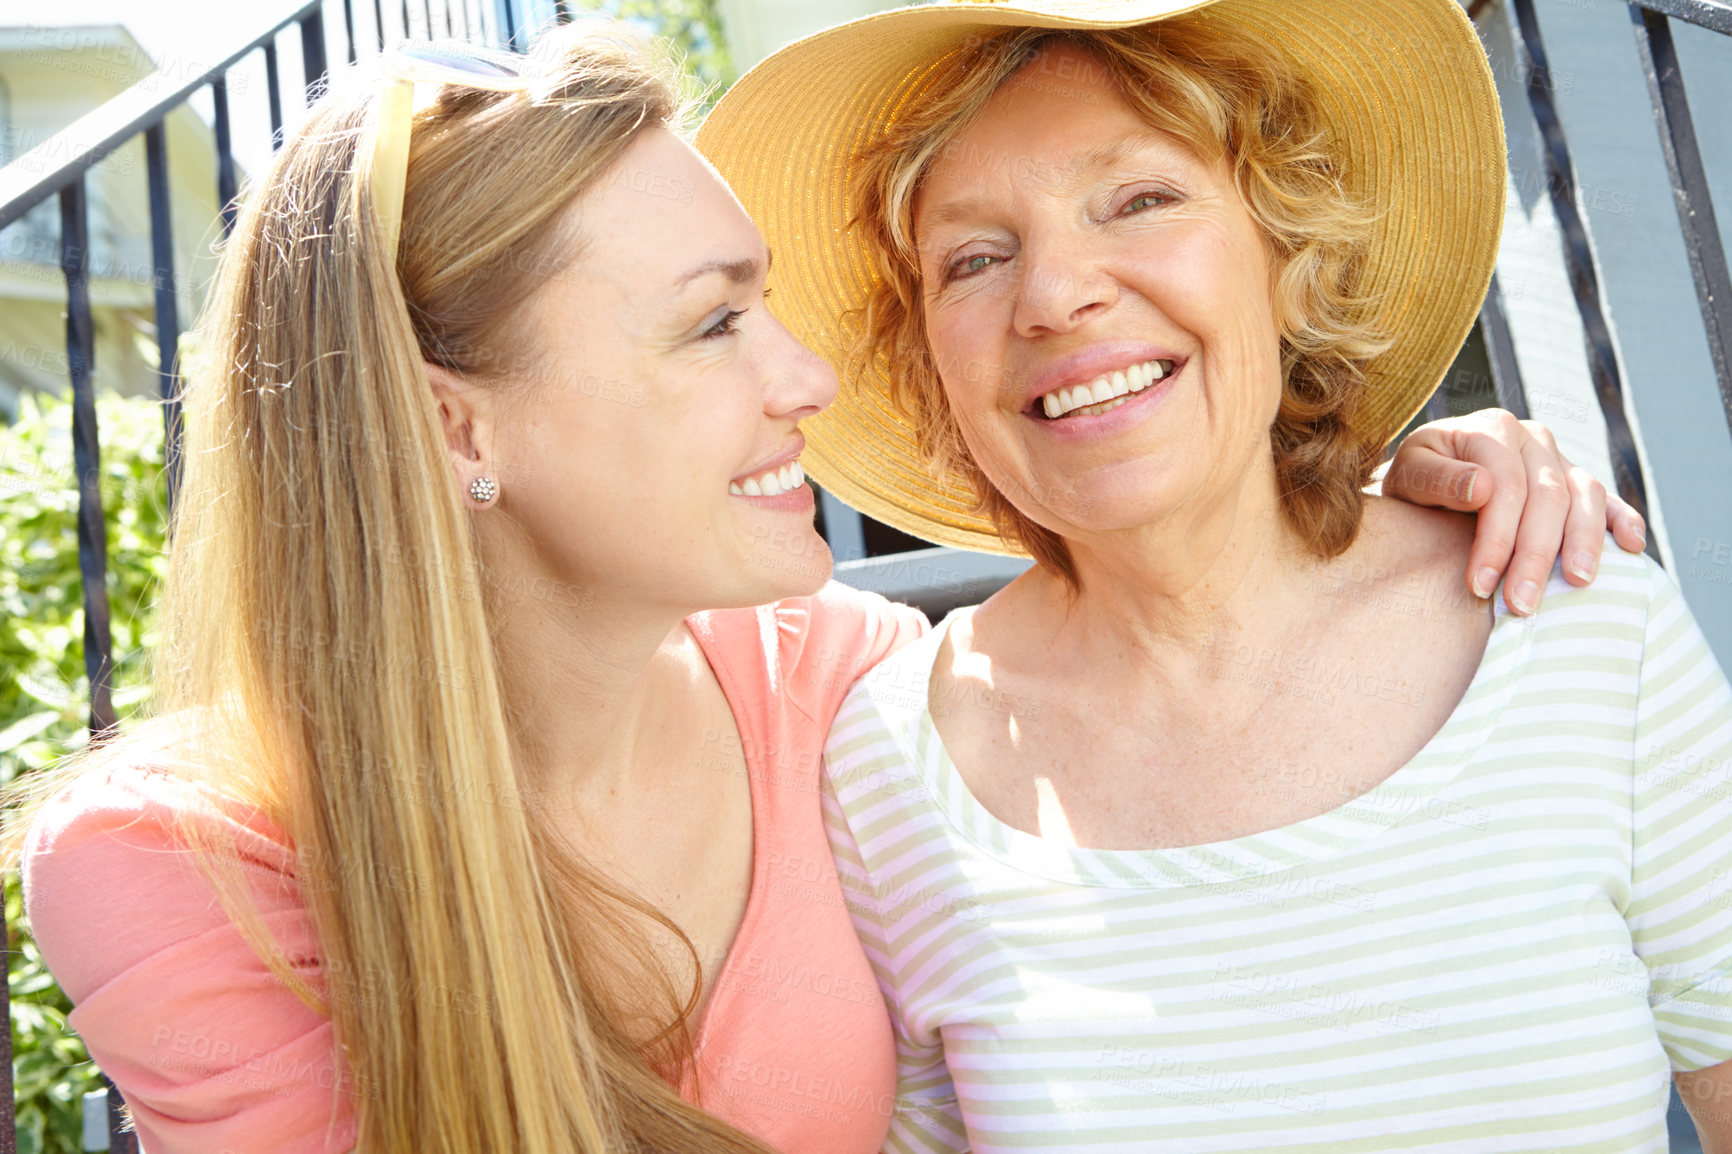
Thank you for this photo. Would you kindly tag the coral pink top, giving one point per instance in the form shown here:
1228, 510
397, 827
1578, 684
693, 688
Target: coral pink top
213, 1053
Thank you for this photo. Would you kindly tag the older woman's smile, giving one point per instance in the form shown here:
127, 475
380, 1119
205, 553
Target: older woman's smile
1107, 391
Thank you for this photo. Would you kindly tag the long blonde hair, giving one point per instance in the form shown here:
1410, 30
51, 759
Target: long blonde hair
326, 652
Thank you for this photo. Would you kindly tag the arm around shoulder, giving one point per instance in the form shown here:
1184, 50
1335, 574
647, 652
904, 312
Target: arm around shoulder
835, 636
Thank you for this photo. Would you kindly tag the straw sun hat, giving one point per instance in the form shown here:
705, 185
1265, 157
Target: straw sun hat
1404, 83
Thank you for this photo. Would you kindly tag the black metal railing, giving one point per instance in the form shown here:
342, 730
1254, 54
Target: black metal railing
1707, 256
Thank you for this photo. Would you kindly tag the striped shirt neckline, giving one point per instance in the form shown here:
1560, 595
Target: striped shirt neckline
1407, 793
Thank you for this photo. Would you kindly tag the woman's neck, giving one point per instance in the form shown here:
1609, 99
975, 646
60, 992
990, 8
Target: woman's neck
588, 683
1234, 570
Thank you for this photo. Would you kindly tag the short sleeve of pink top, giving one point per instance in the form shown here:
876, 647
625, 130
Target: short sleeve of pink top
210, 1050
216, 1056
795, 1046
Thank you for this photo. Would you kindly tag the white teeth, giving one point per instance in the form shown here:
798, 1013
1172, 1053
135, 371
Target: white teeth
1094, 410
1093, 397
770, 484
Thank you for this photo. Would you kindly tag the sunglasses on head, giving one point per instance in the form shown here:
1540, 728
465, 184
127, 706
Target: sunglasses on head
404, 67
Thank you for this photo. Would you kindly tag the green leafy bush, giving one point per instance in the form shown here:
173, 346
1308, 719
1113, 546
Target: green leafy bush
694, 27
44, 696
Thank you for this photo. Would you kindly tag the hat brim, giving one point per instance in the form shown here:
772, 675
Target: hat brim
1405, 84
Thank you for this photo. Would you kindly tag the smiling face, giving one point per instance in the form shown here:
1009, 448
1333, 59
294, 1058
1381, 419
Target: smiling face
1065, 245
652, 454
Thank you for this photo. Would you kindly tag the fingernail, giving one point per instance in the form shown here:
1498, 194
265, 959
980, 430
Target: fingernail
1525, 597
1473, 479
1484, 582
1582, 565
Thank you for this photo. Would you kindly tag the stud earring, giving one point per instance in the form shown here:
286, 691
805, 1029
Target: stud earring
483, 490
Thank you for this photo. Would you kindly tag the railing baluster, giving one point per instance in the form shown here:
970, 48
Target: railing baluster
1579, 262
313, 53
274, 90
844, 530
1689, 191
87, 454
379, 23
1437, 405
407, 35
219, 96
1506, 373
427, 15
167, 305
120, 1139
349, 26
8, 1103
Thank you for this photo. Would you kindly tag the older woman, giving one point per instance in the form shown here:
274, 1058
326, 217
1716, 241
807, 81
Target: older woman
1235, 824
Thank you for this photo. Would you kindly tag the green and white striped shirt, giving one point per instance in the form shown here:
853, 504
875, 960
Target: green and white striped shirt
1506, 945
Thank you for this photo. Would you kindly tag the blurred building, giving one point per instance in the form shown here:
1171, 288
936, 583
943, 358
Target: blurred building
49, 78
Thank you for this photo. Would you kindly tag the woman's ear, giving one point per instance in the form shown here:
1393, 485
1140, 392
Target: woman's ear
466, 415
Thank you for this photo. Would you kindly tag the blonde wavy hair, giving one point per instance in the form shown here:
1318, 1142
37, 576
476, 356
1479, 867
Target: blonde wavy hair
1223, 94
326, 652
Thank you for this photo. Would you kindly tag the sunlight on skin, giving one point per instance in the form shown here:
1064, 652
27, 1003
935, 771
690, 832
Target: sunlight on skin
1051, 822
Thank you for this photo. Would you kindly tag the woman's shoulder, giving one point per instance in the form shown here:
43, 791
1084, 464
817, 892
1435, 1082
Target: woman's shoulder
1612, 615
813, 647
1403, 544
115, 864
143, 793
128, 869
1414, 561
883, 709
